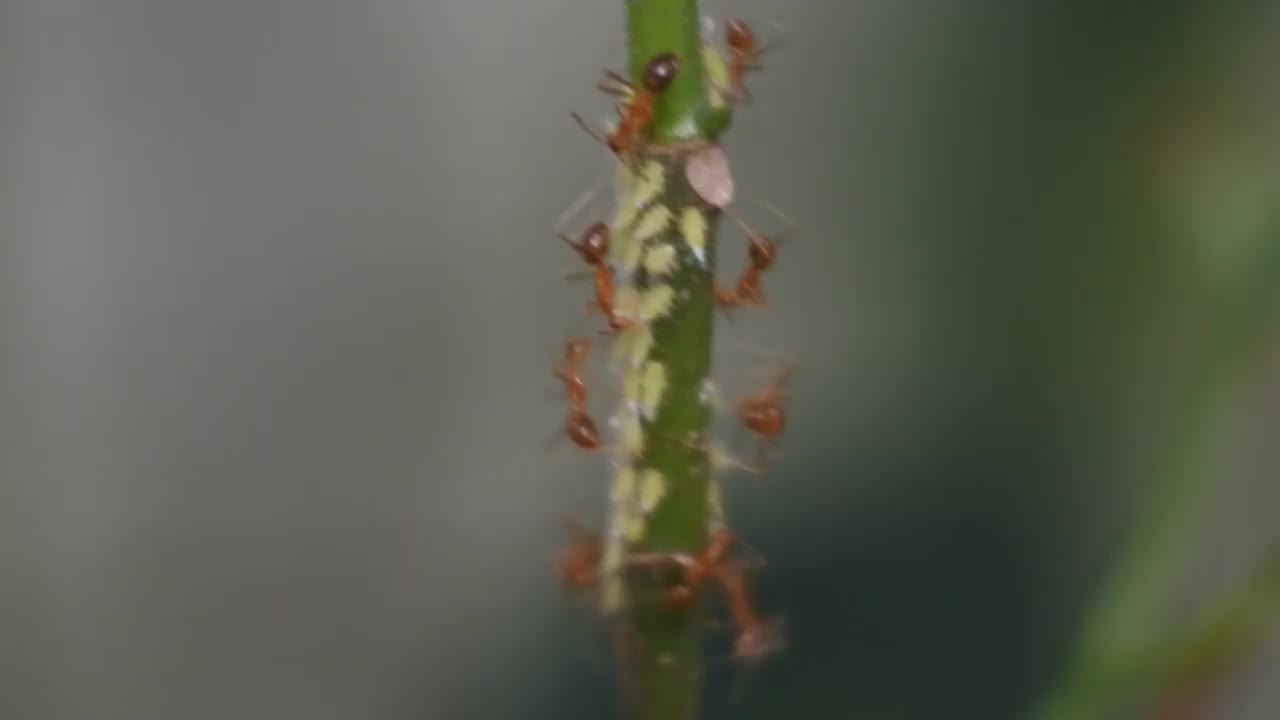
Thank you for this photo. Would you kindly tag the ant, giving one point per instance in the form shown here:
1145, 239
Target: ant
636, 111
593, 248
756, 638
744, 56
575, 351
594, 245
762, 413
603, 280
697, 568
579, 563
578, 425
762, 255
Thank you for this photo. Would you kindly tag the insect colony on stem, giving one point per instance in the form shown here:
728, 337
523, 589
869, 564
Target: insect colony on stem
630, 247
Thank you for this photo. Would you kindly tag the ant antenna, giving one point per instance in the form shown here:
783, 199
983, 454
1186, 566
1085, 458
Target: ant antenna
774, 43
578, 205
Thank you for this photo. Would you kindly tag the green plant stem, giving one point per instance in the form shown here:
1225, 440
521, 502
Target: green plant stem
660, 648
1192, 664
1118, 648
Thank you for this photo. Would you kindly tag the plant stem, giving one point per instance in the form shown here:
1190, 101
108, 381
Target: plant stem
1118, 648
662, 248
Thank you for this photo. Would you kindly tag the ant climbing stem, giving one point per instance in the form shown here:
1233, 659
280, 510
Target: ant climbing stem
569, 372
762, 256
744, 56
593, 247
579, 564
762, 414
636, 112
697, 568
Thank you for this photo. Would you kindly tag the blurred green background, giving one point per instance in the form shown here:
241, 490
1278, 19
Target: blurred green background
279, 298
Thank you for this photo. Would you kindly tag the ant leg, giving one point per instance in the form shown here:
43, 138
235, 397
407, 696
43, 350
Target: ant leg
618, 78
576, 207
587, 128
770, 45
614, 92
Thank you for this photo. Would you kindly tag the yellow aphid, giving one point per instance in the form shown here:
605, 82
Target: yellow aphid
656, 303
693, 226
623, 217
660, 259
629, 255
634, 528
717, 76
652, 388
641, 343
632, 391
621, 348
653, 222
632, 432
652, 488
611, 597
612, 560
624, 486
653, 180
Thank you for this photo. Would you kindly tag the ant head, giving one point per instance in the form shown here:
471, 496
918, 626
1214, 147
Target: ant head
595, 240
763, 252
660, 71
738, 35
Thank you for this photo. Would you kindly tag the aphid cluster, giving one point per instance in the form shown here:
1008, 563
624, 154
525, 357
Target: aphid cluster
631, 260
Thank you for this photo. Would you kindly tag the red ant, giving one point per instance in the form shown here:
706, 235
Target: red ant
744, 56
697, 568
593, 248
762, 413
603, 280
594, 245
636, 112
575, 351
579, 563
762, 255
578, 425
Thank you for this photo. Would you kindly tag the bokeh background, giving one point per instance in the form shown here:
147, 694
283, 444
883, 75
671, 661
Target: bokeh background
279, 298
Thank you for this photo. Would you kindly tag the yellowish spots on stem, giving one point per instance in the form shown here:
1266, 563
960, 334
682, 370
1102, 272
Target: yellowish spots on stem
717, 76
627, 302
632, 390
629, 256
652, 386
642, 344
634, 528
611, 596
656, 303
660, 260
623, 217
632, 432
624, 486
693, 226
653, 486
653, 222
653, 180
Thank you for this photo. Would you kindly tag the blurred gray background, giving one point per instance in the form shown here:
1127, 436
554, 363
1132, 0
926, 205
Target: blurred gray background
279, 298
